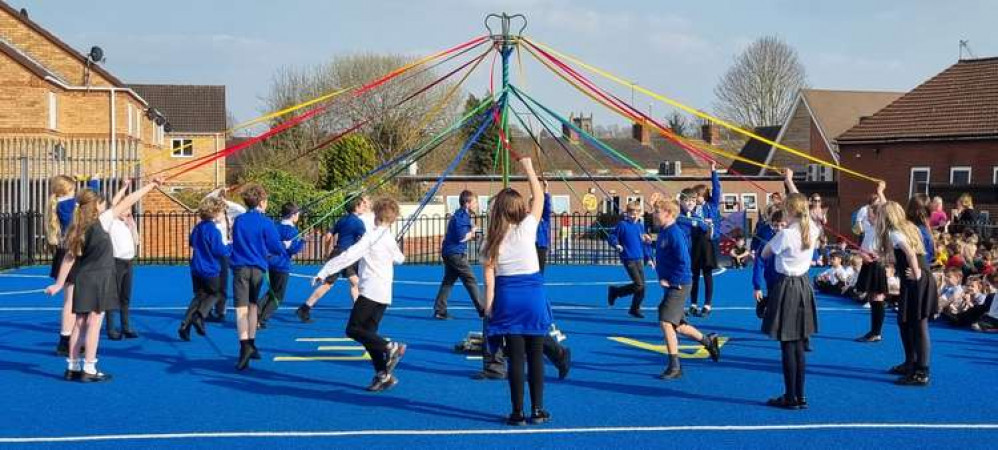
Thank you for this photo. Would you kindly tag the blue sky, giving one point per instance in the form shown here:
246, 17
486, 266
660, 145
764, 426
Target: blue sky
678, 48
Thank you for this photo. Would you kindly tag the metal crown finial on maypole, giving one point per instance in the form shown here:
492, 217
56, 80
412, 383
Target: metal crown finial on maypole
505, 42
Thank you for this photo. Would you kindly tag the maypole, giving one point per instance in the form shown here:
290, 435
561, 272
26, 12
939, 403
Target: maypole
504, 41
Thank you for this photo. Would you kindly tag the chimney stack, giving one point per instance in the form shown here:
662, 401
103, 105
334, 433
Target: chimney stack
710, 133
641, 133
567, 132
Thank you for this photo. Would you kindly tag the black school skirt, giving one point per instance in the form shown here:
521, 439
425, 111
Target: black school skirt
791, 313
872, 278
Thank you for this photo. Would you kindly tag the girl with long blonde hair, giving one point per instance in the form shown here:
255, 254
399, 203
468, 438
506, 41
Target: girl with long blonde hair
919, 300
90, 256
516, 307
58, 217
790, 314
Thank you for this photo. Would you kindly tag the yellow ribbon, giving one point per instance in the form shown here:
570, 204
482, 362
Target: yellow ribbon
699, 113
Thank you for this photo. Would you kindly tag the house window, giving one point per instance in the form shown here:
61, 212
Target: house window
53, 111
750, 202
919, 181
728, 203
182, 148
453, 203
611, 205
959, 175
561, 204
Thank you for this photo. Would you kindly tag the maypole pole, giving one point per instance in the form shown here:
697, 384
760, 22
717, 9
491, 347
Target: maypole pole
505, 42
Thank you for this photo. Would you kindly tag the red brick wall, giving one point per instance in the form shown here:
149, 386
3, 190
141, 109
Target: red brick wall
893, 164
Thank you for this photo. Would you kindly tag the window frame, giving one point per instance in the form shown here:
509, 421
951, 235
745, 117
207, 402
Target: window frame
954, 169
568, 204
911, 178
184, 142
755, 201
724, 202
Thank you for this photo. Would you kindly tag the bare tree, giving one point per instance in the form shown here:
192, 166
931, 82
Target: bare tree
761, 86
390, 128
680, 124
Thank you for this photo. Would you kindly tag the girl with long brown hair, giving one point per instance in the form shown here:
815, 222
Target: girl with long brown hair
872, 280
516, 307
900, 239
90, 256
790, 313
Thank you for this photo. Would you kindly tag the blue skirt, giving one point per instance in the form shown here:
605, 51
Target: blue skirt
520, 306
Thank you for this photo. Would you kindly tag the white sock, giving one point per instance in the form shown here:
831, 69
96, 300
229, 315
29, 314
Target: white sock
90, 367
72, 365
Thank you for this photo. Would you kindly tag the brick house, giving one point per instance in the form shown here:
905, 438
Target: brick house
197, 117
62, 112
940, 138
664, 167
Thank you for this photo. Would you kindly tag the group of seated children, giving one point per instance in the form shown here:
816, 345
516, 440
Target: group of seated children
964, 272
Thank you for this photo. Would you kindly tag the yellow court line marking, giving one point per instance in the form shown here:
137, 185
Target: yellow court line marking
333, 348
363, 357
699, 352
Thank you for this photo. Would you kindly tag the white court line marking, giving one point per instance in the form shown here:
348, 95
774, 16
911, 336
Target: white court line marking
340, 348
30, 291
502, 431
323, 340
22, 275
414, 308
547, 283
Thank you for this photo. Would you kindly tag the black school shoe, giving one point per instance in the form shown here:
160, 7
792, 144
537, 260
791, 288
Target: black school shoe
636, 314
611, 296
245, 353
72, 375
869, 338
98, 377
918, 378
705, 312
671, 373
714, 346
304, 313
184, 332
198, 323
539, 416
382, 383
130, 334
694, 311
114, 335
484, 375
900, 369
801, 402
783, 402
516, 419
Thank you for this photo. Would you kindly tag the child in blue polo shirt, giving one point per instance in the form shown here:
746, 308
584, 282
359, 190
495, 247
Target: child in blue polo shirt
628, 238
280, 265
672, 257
254, 240
703, 242
207, 250
454, 253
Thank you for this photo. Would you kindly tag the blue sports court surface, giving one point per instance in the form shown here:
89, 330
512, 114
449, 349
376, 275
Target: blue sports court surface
308, 390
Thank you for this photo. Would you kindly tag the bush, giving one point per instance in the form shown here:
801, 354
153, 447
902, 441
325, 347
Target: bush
283, 187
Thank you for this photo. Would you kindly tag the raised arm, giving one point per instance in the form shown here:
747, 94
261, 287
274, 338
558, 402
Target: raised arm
121, 192
788, 180
881, 197
126, 203
715, 186
536, 190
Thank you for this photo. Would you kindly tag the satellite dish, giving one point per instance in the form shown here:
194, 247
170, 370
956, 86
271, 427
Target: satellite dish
160, 120
168, 127
96, 54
